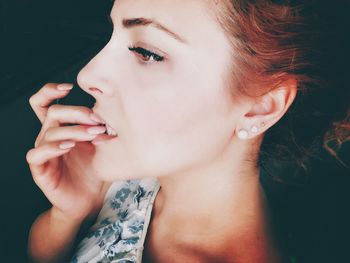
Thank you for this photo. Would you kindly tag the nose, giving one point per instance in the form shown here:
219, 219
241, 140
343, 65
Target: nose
96, 78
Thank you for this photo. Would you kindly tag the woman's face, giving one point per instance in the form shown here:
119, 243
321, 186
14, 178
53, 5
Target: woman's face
172, 111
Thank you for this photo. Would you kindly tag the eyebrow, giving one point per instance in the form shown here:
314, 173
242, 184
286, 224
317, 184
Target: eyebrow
141, 21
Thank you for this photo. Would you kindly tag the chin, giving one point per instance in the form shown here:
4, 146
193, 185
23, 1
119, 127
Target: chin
111, 174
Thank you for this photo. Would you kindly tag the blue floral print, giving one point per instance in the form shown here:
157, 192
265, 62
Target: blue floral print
122, 194
119, 232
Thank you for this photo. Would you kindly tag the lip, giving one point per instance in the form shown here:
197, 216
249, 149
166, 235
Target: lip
103, 138
104, 121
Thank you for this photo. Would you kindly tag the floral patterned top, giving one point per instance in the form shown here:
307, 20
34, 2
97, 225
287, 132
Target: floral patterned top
120, 229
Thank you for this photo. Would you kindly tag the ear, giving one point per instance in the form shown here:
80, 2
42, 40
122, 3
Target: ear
266, 110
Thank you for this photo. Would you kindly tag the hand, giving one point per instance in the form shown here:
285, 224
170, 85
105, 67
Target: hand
60, 161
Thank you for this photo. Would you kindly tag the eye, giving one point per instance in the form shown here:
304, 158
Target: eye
146, 55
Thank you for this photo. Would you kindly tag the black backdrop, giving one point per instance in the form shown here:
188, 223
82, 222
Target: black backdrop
45, 41
40, 41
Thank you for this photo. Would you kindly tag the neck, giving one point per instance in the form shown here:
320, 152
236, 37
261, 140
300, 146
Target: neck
212, 205
227, 180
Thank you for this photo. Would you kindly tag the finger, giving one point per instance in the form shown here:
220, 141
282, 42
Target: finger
42, 99
38, 157
78, 133
65, 114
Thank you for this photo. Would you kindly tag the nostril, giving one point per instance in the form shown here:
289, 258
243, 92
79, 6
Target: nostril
95, 89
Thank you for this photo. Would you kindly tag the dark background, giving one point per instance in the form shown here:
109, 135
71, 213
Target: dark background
50, 41
40, 41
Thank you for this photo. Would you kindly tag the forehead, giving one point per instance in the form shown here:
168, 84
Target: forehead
192, 19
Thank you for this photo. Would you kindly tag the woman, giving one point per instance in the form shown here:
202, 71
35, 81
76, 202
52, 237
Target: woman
192, 98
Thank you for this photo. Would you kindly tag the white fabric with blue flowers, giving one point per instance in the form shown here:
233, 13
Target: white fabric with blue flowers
121, 226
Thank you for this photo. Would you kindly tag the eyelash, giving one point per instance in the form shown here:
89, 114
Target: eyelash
146, 53
142, 51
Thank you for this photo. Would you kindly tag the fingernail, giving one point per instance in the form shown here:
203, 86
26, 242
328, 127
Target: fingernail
95, 118
96, 130
66, 145
65, 86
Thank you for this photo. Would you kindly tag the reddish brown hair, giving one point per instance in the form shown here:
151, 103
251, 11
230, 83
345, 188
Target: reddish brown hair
276, 40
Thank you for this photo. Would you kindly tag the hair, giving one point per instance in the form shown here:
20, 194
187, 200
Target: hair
273, 41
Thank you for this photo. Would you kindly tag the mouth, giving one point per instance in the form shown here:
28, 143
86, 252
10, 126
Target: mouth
109, 130
109, 135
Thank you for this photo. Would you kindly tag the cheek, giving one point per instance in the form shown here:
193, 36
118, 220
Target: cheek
183, 120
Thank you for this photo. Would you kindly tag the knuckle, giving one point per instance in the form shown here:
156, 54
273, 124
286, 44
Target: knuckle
32, 100
30, 156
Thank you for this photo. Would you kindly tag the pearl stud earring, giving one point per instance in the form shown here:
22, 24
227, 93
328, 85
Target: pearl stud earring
254, 129
242, 134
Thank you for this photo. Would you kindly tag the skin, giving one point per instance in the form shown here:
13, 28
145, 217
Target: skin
176, 121
161, 108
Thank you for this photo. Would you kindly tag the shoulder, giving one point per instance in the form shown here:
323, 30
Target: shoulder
122, 223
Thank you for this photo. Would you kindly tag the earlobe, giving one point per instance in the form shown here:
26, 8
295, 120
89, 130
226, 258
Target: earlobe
254, 130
